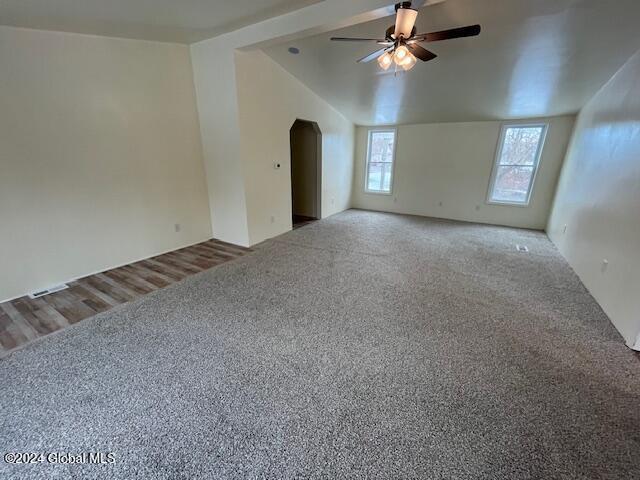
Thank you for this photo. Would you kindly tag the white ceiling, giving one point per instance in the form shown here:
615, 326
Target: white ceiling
533, 58
182, 21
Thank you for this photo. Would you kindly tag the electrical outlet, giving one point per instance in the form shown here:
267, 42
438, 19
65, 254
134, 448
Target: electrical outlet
273, 219
177, 227
605, 265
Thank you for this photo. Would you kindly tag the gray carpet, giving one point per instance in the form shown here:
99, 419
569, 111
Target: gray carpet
366, 345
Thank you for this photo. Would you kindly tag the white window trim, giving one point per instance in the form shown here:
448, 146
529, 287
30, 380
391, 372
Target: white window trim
536, 164
393, 162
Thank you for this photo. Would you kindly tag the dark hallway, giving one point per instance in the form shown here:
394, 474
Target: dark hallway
306, 144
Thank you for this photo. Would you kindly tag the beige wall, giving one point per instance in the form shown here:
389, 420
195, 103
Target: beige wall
270, 100
242, 200
215, 83
443, 170
598, 200
100, 155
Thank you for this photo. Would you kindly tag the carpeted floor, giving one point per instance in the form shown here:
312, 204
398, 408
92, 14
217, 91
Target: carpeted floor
366, 345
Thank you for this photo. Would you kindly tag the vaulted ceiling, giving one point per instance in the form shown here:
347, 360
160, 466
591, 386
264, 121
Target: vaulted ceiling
182, 21
533, 58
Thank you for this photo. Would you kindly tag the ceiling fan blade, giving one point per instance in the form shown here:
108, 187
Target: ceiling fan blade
421, 53
470, 31
372, 56
347, 39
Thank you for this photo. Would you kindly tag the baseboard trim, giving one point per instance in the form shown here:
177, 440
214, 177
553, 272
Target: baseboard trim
112, 267
450, 219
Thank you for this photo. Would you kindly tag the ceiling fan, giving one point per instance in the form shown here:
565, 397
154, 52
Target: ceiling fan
400, 44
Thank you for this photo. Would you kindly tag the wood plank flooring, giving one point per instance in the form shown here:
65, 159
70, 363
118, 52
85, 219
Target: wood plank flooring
24, 319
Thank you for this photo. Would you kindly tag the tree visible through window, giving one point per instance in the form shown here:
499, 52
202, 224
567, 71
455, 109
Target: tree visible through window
380, 153
516, 164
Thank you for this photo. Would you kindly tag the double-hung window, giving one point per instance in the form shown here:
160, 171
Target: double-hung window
517, 161
381, 147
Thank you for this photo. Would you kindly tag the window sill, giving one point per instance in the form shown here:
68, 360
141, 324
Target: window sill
507, 204
373, 192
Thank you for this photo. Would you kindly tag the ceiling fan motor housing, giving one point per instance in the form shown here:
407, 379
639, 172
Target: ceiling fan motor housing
389, 34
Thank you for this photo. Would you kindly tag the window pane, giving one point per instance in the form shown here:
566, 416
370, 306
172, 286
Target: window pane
380, 161
375, 176
520, 145
379, 177
386, 181
512, 184
382, 146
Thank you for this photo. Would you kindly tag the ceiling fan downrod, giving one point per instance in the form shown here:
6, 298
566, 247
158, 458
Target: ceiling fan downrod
402, 5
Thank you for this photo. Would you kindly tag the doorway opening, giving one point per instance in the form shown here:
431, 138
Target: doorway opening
306, 172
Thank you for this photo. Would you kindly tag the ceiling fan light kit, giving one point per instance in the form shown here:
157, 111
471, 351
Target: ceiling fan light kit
408, 62
385, 60
400, 45
399, 55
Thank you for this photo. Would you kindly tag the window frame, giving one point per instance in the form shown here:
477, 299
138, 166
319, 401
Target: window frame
536, 164
370, 133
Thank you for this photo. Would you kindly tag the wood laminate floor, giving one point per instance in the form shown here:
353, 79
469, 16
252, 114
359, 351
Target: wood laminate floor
24, 319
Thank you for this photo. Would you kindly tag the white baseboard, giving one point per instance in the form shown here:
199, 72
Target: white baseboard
69, 280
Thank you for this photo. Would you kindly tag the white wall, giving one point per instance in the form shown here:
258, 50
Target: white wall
215, 83
100, 155
451, 163
217, 98
598, 199
270, 99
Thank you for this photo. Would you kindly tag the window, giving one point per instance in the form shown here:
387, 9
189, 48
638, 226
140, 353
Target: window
516, 164
380, 156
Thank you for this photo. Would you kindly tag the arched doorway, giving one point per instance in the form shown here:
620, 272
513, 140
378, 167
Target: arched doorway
306, 172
